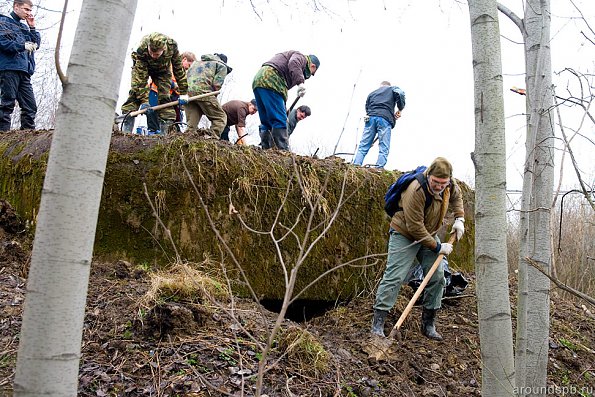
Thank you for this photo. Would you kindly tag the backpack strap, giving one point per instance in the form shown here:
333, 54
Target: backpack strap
423, 182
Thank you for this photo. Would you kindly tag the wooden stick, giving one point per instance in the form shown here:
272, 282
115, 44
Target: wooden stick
173, 103
420, 289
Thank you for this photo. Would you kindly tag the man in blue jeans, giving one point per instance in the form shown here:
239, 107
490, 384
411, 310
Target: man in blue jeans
18, 42
413, 236
380, 119
279, 74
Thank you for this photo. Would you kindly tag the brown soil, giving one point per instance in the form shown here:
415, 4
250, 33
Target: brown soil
192, 349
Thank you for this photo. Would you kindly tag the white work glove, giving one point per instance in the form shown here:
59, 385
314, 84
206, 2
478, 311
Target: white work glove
445, 248
301, 90
459, 227
183, 100
30, 46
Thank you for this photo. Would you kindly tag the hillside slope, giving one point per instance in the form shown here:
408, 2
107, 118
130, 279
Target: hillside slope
193, 348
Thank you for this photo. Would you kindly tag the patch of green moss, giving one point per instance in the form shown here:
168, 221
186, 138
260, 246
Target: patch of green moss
257, 182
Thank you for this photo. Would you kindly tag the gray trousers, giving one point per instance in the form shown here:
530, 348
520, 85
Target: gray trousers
401, 255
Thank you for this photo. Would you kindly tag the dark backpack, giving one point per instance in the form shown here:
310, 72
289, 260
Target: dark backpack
393, 195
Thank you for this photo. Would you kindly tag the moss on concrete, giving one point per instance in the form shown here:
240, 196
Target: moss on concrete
256, 181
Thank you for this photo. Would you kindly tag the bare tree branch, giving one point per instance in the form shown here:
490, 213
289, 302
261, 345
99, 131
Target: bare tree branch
158, 218
513, 17
561, 285
61, 74
573, 159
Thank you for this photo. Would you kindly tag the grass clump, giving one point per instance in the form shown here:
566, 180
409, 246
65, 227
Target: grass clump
304, 352
185, 283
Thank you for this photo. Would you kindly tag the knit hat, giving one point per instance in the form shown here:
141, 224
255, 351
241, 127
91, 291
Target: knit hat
440, 168
157, 41
223, 57
314, 60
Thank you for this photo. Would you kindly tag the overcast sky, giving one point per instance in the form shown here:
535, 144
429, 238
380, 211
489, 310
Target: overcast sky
422, 47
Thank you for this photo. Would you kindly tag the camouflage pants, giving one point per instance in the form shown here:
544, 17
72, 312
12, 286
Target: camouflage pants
210, 107
137, 97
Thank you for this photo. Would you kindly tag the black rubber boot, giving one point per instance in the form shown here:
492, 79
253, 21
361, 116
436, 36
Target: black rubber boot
280, 138
128, 124
266, 139
378, 322
152, 121
428, 328
165, 126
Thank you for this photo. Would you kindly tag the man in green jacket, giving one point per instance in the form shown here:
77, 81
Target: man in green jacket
157, 57
413, 235
204, 76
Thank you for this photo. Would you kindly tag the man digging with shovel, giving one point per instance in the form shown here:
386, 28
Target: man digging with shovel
413, 230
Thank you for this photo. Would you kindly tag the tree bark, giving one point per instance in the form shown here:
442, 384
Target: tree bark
51, 333
538, 181
495, 323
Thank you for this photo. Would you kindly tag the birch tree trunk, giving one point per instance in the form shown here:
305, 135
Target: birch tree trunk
51, 333
491, 268
533, 319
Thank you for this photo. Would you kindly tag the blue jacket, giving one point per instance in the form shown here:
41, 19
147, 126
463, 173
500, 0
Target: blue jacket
13, 35
381, 103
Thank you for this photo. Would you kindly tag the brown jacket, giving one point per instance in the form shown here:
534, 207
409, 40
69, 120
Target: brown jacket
236, 112
419, 225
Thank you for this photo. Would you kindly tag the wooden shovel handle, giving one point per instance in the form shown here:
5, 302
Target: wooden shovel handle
420, 289
173, 103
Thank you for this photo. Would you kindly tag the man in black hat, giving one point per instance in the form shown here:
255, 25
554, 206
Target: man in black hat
236, 112
204, 76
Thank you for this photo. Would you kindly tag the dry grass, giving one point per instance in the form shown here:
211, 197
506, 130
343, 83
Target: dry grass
573, 245
183, 282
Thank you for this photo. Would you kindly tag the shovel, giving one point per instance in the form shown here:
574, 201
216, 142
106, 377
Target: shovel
293, 104
385, 344
162, 106
173, 103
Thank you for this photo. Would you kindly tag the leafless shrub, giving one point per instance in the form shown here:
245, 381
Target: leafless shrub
574, 245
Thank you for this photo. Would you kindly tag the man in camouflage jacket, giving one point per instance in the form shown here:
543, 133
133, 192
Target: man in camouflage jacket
157, 57
204, 76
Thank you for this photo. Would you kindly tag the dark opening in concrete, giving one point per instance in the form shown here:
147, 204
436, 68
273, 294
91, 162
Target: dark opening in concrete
301, 310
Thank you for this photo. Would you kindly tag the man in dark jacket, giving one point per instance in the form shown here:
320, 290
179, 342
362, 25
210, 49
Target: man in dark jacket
282, 72
295, 116
413, 235
18, 42
380, 119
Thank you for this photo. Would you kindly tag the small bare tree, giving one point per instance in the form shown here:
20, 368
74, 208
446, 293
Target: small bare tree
315, 204
533, 316
489, 158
